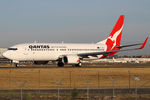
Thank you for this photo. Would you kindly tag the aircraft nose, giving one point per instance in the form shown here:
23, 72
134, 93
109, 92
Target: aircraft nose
6, 54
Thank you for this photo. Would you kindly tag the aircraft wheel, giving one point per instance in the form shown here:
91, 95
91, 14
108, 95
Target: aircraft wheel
60, 64
78, 65
16, 65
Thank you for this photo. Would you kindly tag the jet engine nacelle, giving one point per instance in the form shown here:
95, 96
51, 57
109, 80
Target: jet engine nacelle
71, 59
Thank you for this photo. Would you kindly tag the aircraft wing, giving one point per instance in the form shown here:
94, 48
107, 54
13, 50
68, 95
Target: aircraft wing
114, 51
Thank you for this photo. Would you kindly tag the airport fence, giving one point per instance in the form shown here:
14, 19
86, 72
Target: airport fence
72, 78
92, 83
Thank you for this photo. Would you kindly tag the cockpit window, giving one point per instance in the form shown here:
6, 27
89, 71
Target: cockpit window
12, 49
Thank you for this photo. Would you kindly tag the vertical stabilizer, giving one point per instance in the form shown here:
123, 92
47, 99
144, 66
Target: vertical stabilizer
115, 36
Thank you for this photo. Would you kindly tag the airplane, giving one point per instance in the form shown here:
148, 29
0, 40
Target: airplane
70, 53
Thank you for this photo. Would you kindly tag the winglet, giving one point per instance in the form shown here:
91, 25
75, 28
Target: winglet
143, 45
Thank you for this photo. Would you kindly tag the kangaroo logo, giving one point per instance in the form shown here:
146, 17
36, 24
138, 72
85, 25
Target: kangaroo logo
112, 39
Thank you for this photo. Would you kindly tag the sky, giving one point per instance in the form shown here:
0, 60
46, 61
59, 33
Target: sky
73, 21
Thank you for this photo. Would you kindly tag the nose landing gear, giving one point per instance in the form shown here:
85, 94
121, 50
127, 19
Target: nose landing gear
16, 65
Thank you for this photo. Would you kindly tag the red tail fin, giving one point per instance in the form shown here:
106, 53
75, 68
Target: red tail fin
115, 36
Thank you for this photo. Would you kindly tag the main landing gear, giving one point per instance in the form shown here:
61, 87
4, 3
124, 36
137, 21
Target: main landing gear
60, 64
77, 65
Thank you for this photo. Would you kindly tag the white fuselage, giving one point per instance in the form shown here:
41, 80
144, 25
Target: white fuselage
49, 51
